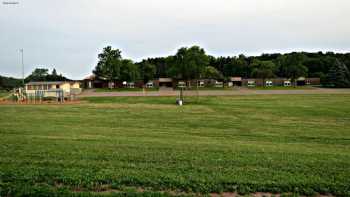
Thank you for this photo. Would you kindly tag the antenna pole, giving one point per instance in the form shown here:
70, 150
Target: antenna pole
21, 50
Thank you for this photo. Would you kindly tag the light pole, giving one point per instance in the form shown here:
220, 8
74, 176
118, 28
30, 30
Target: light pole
21, 51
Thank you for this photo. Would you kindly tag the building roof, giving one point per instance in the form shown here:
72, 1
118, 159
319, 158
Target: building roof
49, 82
91, 77
236, 79
165, 80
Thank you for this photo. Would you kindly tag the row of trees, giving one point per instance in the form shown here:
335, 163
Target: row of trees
8, 83
42, 74
193, 63
39, 74
112, 67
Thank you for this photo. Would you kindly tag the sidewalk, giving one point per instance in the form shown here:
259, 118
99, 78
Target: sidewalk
243, 91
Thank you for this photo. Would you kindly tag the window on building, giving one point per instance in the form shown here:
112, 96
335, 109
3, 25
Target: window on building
251, 83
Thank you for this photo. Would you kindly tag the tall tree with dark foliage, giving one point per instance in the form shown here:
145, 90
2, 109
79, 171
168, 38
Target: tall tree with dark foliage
291, 66
42, 74
109, 64
263, 69
188, 63
339, 75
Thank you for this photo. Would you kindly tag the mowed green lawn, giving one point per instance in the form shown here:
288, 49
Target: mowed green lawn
145, 145
3, 94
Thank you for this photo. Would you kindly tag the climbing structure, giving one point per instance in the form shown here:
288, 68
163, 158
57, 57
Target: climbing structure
38, 96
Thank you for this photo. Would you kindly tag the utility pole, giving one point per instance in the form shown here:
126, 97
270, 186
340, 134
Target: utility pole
21, 51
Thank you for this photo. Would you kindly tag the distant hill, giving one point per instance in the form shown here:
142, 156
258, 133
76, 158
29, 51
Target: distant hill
8, 83
39, 74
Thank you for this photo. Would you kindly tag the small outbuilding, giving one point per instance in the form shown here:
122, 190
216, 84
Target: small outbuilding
165, 82
51, 88
235, 81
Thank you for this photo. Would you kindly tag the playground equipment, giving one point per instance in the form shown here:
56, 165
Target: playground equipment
19, 95
38, 96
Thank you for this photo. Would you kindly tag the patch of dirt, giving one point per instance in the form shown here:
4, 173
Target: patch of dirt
7, 102
243, 91
107, 191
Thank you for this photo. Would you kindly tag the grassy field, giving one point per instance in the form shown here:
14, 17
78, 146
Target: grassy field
3, 93
147, 146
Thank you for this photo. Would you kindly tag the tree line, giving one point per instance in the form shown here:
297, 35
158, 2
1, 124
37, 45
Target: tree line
8, 83
193, 63
39, 74
43, 74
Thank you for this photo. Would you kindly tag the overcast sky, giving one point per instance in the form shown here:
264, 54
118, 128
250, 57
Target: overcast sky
68, 34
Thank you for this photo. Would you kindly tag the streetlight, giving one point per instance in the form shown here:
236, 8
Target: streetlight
21, 51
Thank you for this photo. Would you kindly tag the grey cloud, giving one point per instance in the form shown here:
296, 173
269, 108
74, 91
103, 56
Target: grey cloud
69, 34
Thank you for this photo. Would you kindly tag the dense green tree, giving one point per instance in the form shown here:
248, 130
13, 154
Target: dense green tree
56, 77
288, 65
9, 83
339, 75
210, 72
129, 71
192, 63
54, 72
109, 64
188, 63
148, 71
162, 66
221, 64
263, 69
42, 74
268, 57
39, 74
236, 66
291, 66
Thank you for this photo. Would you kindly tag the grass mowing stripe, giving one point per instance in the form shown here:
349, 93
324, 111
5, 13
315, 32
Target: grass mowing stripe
277, 143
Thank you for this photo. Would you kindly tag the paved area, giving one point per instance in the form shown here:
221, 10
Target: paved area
243, 91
